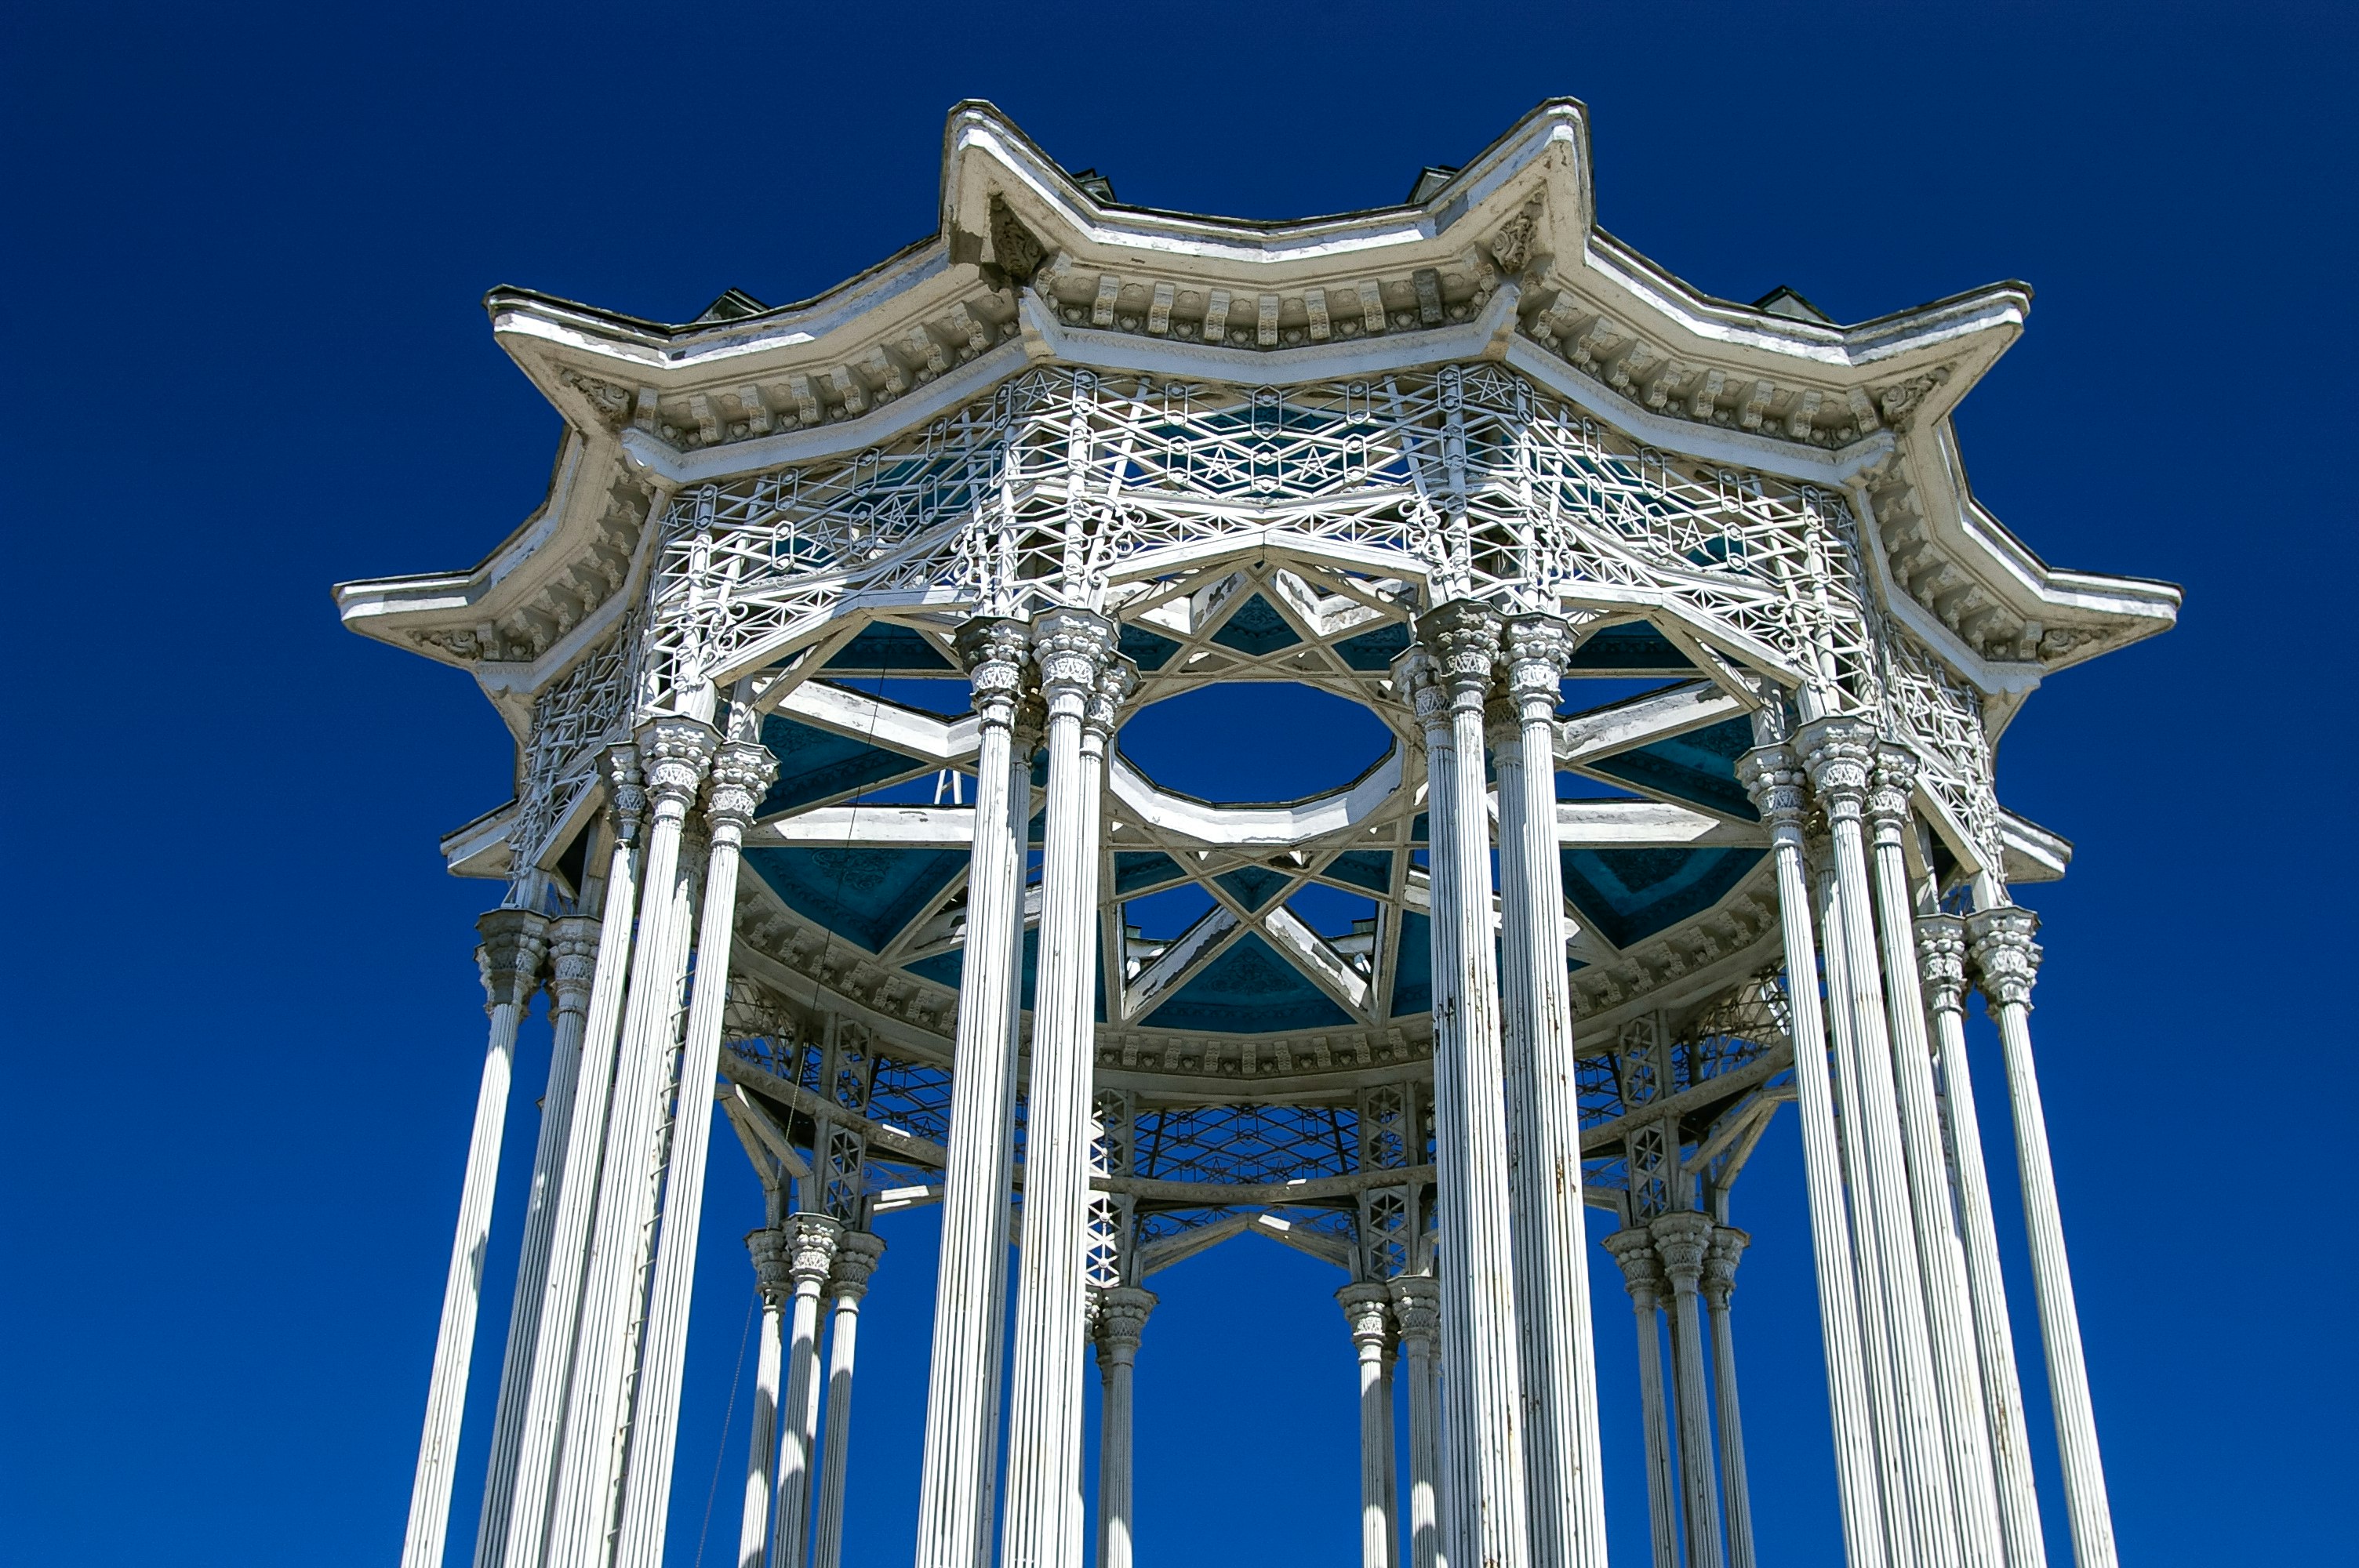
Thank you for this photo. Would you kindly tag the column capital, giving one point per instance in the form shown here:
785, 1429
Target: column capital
2006, 961
1119, 1316
513, 942
768, 1246
742, 774
1072, 649
1416, 1307
1720, 1262
1115, 682
1642, 1275
572, 962
1773, 776
1839, 755
994, 651
1941, 961
1417, 679
627, 794
675, 752
1887, 798
811, 1241
1368, 1307
1537, 649
858, 1253
1465, 637
1503, 728
1682, 1238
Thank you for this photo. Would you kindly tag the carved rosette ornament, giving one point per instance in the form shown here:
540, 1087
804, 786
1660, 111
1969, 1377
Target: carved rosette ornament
1642, 1274
768, 1246
810, 1251
2006, 961
1941, 961
1120, 1318
1773, 777
1720, 1262
1368, 1309
573, 962
1417, 1308
674, 753
1840, 756
856, 1256
1887, 800
513, 943
742, 772
627, 796
1681, 1241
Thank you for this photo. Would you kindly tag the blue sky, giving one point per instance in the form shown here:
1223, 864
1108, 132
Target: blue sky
242, 1025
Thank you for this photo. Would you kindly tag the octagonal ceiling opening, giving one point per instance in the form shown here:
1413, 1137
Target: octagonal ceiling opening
1254, 742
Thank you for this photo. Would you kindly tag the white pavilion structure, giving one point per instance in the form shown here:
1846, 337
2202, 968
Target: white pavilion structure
1692, 648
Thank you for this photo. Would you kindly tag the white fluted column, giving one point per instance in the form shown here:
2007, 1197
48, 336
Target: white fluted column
1642, 1276
1681, 1239
1120, 1320
540, 1432
2006, 961
1941, 955
1564, 1488
770, 1277
741, 776
1839, 753
1482, 1432
674, 753
961, 1439
1368, 1309
1773, 779
811, 1241
1728, 1245
572, 959
1417, 1310
856, 1256
1941, 1262
509, 958
1083, 681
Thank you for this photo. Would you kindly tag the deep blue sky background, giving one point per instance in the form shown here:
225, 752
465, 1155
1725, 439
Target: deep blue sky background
245, 358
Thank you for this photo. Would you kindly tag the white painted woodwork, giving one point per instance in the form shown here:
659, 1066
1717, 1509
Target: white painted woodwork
1942, 948
856, 1256
2006, 961
961, 1437
510, 956
1941, 1263
572, 959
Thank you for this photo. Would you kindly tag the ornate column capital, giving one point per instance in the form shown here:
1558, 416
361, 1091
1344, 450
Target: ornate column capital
858, 1253
1839, 754
1417, 679
627, 794
1072, 649
994, 651
1417, 1308
1103, 712
810, 1251
1887, 798
572, 962
770, 1276
1941, 961
1120, 1319
1720, 1262
674, 753
1773, 776
2006, 961
1537, 649
1642, 1274
1682, 1238
1368, 1307
1464, 635
742, 774
513, 942
1503, 728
